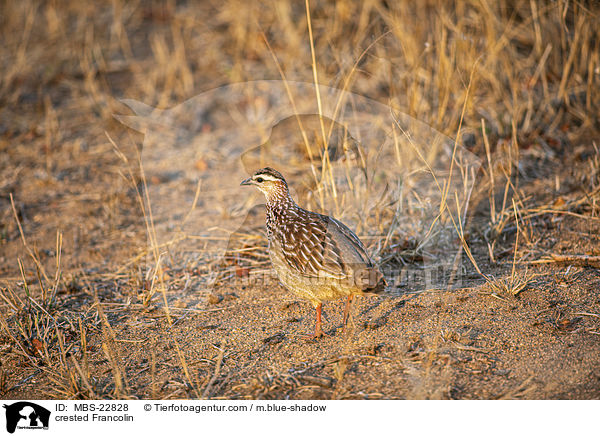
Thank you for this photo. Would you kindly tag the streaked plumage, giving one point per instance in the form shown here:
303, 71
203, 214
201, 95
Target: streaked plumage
315, 256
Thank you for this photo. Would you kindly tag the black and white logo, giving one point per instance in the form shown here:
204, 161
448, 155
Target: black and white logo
26, 415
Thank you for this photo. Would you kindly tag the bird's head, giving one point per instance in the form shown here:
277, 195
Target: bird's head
269, 181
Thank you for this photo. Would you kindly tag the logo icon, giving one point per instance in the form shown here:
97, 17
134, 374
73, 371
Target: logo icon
26, 415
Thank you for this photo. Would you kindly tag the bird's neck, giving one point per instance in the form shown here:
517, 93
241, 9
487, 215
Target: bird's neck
278, 199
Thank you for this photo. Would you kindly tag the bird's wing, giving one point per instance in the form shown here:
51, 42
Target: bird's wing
314, 244
309, 246
356, 244
367, 275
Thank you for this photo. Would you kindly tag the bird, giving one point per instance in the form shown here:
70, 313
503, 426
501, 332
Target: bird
315, 256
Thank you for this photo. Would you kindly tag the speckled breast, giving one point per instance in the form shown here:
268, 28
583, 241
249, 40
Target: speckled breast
315, 289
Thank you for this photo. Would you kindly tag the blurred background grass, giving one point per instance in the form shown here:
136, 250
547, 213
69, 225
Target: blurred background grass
536, 62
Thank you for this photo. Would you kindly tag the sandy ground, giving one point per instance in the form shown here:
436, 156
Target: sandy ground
238, 339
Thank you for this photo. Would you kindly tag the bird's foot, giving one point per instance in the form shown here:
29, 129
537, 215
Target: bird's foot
316, 335
318, 325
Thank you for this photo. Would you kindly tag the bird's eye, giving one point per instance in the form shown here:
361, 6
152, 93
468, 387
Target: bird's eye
259, 179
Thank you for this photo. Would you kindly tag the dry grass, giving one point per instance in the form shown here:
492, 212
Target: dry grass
516, 82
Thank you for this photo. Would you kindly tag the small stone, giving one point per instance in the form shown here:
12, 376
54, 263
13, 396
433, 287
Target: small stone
214, 299
275, 339
373, 324
230, 296
242, 272
37, 345
201, 165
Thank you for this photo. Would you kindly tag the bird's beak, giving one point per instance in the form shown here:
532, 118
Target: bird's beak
248, 181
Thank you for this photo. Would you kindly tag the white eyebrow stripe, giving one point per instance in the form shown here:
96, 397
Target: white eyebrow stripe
266, 177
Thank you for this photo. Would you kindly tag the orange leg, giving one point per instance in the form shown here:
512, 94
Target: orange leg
347, 310
318, 325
